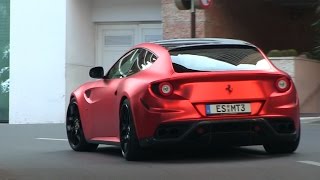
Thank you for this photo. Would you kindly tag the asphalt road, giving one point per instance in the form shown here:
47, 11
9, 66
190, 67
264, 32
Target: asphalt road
25, 153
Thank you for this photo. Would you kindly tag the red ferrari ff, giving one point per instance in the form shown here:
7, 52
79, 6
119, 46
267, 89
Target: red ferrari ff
186, 91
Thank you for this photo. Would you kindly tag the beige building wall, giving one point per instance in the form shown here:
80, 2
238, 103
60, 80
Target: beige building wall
307, 76
176, 23
248, 20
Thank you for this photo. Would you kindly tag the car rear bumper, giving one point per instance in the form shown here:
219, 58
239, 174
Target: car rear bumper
242, 132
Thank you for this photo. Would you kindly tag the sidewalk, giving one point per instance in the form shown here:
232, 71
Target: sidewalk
307, 118
309, 114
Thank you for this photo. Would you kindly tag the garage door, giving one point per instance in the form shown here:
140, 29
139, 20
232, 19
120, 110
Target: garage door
114, 40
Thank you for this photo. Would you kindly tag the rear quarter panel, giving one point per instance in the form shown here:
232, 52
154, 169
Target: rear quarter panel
134, 87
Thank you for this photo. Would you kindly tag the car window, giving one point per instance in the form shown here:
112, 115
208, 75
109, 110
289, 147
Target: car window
222, 58
139, 55
146, 60
123, 65
133, 62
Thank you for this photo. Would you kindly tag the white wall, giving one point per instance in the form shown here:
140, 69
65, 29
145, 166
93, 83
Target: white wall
286, 64
53, 48
126, 10
305, 74
37, 61
80, 50
81, 31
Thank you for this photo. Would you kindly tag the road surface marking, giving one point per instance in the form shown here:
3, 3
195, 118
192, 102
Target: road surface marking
310, 163
51, 139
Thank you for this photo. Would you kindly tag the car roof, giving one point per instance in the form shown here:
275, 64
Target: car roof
177, 43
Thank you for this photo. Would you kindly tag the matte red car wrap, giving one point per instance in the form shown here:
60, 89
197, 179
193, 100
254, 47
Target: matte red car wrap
191, 97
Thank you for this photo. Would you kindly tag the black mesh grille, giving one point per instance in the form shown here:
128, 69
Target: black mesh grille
232, 127
282, 125
169, 131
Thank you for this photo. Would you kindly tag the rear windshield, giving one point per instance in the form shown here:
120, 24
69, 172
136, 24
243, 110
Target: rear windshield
218, 59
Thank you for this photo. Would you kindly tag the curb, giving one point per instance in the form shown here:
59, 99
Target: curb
310, 118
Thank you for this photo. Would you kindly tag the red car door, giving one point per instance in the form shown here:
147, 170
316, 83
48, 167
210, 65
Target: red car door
104, 110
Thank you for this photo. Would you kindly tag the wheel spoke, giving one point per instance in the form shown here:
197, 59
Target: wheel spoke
125, 130
69, 119
70, 128
75, 140
125, 146
78, 137
130, 147
125, 133
73, 125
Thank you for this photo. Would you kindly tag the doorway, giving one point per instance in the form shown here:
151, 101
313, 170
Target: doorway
113, 40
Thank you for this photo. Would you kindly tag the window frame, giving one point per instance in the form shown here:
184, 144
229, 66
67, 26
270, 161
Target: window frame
187, 50
116, 65
134, 53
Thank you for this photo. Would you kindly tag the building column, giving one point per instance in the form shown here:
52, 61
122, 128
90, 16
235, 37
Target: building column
37, 61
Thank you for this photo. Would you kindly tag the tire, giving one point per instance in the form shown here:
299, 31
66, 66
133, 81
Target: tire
130, 146
76, 138
282, 147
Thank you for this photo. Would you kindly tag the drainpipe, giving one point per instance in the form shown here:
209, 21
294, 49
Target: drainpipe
193, 19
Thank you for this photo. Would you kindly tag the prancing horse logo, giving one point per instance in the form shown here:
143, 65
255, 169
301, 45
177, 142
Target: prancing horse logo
229, 88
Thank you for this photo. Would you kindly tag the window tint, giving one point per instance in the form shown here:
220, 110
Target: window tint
121, 68
146, 60
139, 56
135, 61
222, 58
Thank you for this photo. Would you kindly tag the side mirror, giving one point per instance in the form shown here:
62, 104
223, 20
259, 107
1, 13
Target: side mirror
96, 72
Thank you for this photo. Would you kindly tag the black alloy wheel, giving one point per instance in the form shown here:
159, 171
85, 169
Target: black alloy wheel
130, 147
283, 147
74, 129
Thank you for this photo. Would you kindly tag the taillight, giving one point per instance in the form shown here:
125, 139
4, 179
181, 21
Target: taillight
283, 84
165, 89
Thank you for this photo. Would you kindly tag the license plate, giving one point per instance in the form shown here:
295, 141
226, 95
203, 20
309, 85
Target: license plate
237, 108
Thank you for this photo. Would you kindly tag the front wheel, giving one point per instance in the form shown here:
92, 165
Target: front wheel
74, 129
130, 147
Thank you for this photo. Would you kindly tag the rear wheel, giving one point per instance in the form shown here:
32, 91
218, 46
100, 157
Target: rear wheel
130, 147
282, 147
74, 129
